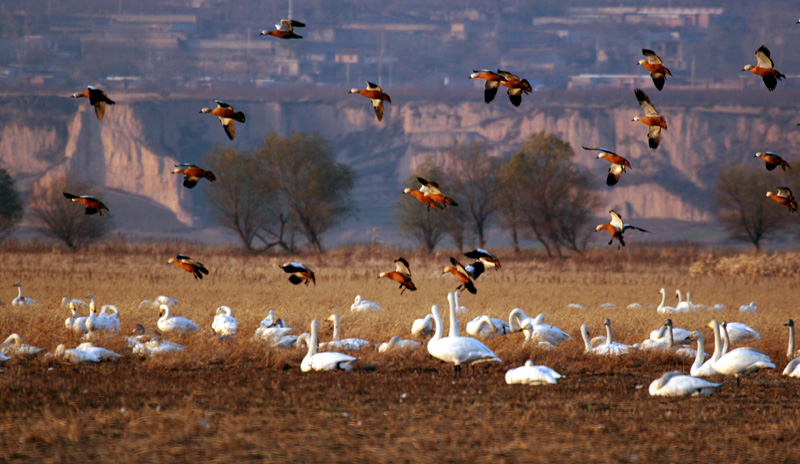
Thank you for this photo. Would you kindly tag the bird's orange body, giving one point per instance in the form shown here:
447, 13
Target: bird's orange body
402, 279
421, 197
654, 121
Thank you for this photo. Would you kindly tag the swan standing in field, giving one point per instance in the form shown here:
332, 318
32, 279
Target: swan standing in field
224, 323
662, 309
700, 368
455, 326
364, 306
22, 300
174, 324
457, 350
397, 343
530, 374
105, 323
74, 322
13, 346
793, 368
487, 327
347, 344
422, 327
328, 361
101, 353
740, 361
675, 383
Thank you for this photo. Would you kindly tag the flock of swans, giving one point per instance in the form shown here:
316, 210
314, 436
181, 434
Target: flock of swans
454, 348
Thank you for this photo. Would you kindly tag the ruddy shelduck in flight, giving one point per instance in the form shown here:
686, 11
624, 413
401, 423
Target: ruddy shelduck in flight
189, 265
285, 30
657, 70
299, 273
493, 81
618, 164
651, 118
376, 96
458, 270
516, 86
401, 275
784, 197
227, 116
616, 228
431, 191
92, 204
765, 68
772, 160
483, 256
192, 174
97, 98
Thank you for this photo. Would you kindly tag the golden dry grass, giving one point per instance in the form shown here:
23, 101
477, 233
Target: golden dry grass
242, 402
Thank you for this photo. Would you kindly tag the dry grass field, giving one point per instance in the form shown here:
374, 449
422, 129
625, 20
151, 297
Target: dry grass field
243, 402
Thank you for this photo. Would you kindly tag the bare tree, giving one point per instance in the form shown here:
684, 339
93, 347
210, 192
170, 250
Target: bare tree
742, 207
474, 177
10, 205
61, 219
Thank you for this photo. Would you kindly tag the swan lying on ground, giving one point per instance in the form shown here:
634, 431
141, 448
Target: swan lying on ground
530, 374
347, 344
22, 300
75, 355
749, 308
397, 343
175, 324
662, 308
102, 323
13, 346
101, 353
487, 327
739, 332
675, 383
535, 329
363, 306
224, 322
76, 323
609, 348
422, 327
328, 361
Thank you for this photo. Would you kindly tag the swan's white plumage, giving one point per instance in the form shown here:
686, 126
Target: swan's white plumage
175, 324
749, 308
535, 329
682, 306
75, 355
13, 346
101, 323
739, 332
793, 368
75, 322
362, 306
329, 361
339, 343
224, 322
662, 308
422, 327
530, 374
700, 368
21, 300
487, 327
457, 350
102, 354
675, 383
740, 361
397, 343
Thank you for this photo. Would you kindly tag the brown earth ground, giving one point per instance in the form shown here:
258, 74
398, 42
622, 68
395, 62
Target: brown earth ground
243, 402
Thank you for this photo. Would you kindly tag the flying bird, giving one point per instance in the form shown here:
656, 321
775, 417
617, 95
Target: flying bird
401, 275
92, 204
772, 160
299, 273
189, 265
516, 86
493, 81
376, 96
784, 197
651, 118
657, 70
227, 116
616, 228
765, 68
285, 30
618, 164
97, 98
431, 191
192, 174
458, 270
484, 257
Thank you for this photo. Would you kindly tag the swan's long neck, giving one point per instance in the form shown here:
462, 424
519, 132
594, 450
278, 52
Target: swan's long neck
717, 342
790, 351
670, 338
608, 334
726, 341
455, 330
689, 299
312, 346
663, 300
165, 309
513, 319
587, 344
698, 360
485, 320
680, 296
19, 291
336, 328
437, 321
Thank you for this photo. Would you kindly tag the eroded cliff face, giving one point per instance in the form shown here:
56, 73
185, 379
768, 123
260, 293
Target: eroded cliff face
131, 153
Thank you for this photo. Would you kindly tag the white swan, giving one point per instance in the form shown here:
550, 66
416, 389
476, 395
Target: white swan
675, 383
105, 323
535, 329
739, 333
793, 368
459, 308
589, 344
457, 350
487, 327
328, 361
347, 344
275, 332
634, 306
22, 300
692, 306
156, 347
790, 350
65, 302
700, 368
74, 322
609, 348
224, 322
740, 361
174, 324
13, 346
662, 309
422, 327
530, 374
682, 306
397, 343
679, 336
576, 306
270, 320
101, 353
748, 308
363, 306
455, 326
161, 299
75, 355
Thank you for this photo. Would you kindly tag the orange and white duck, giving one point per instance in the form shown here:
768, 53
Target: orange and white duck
376, 95
227, 115
654, 121
765, 68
